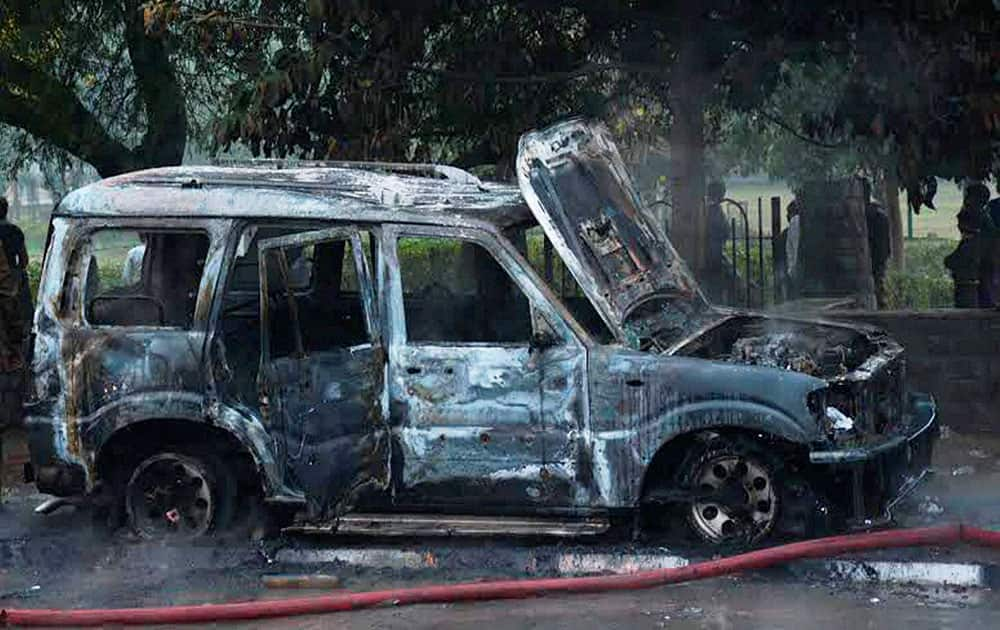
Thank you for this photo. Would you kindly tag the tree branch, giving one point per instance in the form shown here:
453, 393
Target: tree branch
799, 135
46, 108
549, 77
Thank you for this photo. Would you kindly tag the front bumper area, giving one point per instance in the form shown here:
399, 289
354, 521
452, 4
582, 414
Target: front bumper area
922, 432
877, 476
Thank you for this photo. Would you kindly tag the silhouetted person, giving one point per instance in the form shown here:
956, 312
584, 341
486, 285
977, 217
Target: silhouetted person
786, 251
965, 263
718, 227
13, 283
989, 256
13, 261
879, 242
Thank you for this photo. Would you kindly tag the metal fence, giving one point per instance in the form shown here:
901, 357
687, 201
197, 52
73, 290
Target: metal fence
754, 258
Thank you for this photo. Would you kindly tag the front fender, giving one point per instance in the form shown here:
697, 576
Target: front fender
743, 414
633, 450
97, 429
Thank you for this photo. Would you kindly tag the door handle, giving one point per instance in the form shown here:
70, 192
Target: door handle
413, 369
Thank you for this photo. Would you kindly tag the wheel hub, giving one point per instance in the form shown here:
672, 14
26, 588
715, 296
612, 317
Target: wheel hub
169, 495
737, 499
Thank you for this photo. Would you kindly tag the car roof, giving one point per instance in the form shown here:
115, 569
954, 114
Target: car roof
368, 191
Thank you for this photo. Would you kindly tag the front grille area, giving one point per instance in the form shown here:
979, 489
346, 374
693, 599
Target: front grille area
876, 403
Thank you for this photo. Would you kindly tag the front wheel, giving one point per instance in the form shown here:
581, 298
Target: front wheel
737, 493
177, 495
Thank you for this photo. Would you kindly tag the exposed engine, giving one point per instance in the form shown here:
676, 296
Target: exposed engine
791, 351
821, 350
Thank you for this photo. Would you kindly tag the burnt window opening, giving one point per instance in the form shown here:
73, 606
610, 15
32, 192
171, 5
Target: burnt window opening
315, 301
142, 278
545, 260
456, 291
240, 317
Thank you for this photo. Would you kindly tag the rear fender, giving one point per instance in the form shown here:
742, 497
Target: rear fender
98, 429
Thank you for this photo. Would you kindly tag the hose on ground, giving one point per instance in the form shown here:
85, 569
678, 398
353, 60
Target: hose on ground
944, 535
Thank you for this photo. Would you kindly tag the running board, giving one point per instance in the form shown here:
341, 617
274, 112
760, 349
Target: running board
437, 525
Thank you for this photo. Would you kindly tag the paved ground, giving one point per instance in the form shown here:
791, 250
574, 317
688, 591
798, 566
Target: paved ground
729, 603
63, 560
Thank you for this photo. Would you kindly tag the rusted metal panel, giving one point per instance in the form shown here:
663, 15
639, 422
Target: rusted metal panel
494, 420
306, 193
326, 404
576, 184
640, 401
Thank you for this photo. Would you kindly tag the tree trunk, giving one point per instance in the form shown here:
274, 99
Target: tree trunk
890, 196
160, 90
689, 230
35, 98
689, 93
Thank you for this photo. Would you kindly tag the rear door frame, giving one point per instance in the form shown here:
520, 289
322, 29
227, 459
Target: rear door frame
380, 459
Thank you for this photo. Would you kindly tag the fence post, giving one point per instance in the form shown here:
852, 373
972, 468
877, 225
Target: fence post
775, 233
735, 262
760, 249
746, 252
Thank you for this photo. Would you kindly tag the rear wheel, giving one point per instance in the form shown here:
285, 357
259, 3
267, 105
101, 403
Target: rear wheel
178, 495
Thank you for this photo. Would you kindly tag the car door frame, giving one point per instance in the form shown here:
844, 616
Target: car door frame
543, 304
380, 458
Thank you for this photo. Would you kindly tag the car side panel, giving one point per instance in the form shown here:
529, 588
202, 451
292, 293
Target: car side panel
639, 402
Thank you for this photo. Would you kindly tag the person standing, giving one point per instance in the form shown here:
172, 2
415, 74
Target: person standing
879, 242
132, 269
718, 227
989, 256
716, 274
790, 238
12, 275
965, 263
13, 262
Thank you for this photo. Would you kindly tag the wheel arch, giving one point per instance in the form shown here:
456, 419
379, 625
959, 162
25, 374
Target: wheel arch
188, 412
130, 443
666, 461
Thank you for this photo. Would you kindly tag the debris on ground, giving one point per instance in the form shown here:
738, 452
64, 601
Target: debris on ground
930, 506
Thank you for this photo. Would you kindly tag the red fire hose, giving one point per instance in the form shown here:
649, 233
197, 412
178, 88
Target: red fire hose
508, 589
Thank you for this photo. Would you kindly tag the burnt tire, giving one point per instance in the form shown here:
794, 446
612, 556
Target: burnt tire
738, 491
177, 494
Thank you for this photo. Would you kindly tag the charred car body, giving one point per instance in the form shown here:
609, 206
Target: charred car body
395, 348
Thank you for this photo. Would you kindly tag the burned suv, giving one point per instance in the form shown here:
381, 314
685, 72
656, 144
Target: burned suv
396, 349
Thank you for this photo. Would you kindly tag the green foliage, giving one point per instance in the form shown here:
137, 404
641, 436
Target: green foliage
34, 275
367, 80
122, 84
926, 282
765, 140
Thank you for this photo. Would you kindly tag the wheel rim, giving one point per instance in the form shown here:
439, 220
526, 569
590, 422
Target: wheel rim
737, 499
170, 495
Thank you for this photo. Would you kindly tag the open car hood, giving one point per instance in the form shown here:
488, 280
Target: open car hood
575, 183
